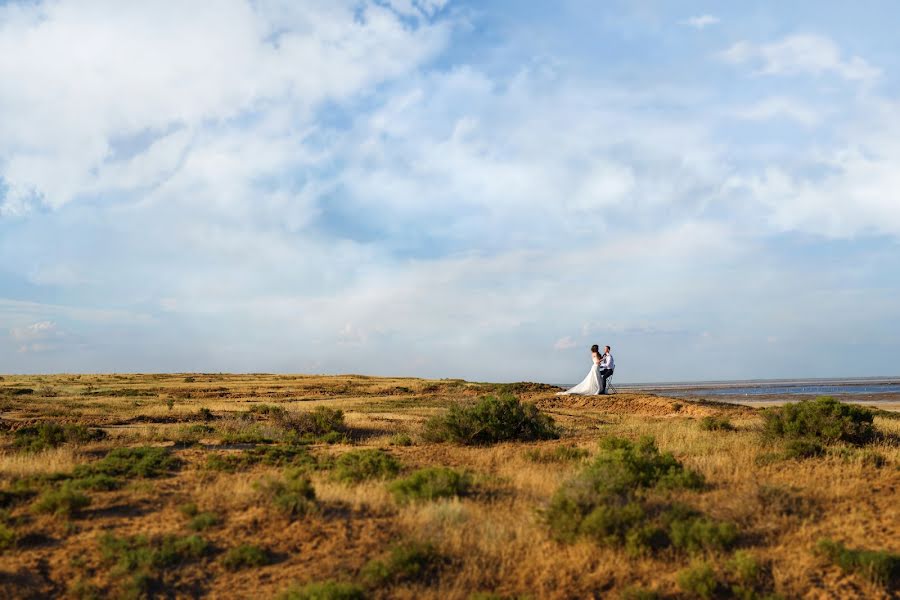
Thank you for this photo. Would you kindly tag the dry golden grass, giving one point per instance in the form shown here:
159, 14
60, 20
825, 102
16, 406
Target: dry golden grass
494, 540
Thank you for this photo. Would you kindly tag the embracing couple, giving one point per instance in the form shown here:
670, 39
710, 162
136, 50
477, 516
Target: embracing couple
601, 370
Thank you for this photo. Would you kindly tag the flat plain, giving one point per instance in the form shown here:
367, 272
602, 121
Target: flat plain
259, 486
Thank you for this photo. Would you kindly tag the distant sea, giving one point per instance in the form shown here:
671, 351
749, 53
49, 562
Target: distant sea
870, 388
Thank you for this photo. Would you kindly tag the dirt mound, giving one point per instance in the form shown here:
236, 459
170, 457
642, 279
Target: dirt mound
645, 404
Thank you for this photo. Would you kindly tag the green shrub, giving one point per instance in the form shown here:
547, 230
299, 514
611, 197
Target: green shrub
143, 560
401, 439
315, 424
699, 581
431, 483
800, 449
96, 482
405, 562
245, 556
8, 537
203, 521
326, 590
882, 568
716, 424
492, 419
52, 435
294, 495
267, 410
557, 455
360, 465
638, 593
63, 501
823, 419
275, 456
206, 414
144, 461
605, 502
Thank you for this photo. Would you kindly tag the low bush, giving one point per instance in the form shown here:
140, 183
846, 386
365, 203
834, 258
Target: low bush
325, 590
405, 563
277, 456
558, 454
638, 593
204, 520
361, 465
294, 495
699, 581
245, 556
716, 424
606, 501
879, 567
823, 419
267, 410
430, 484
52, 435
128, 463
320, 424
492, 419
144, 560
64, 501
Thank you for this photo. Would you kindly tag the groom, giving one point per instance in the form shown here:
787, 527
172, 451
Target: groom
607, 366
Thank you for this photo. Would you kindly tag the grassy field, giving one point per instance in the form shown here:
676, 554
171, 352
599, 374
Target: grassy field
259, 486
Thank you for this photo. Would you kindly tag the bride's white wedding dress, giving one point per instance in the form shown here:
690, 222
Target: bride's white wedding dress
589, 386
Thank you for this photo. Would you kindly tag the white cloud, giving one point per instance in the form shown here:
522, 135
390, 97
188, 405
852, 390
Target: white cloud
90, 75
779, 107
36, 337
564, 343
701, 21
801, 53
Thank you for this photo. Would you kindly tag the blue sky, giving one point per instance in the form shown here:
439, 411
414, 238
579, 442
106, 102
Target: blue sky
450, 189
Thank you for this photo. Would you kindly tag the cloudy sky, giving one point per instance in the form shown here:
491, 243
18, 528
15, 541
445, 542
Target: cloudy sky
450, 188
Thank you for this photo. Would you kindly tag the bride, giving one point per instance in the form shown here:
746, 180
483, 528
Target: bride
590, 385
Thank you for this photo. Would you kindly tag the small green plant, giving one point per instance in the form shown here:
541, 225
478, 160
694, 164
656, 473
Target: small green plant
245, 556
170, 402
639, 593
558, 454
145, 461
802, 448
325, 590
879, 567
361, 465
716, 424
267, 410
203, 521
405, 562
492, 419
430, 484
694, 533
401, 439
823, 419
294, 495
206, 414
63, 501
699, 581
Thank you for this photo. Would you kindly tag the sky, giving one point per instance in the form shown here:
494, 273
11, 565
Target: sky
450, 188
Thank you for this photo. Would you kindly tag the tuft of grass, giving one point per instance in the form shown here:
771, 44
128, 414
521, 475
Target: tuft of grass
404, 563
8, 537
490, 420
716, 424
52, 435
294, 495
559, 454
245, 556
639, 593
430, 484
267, 410
879, 567
203, 521
824, 419
362, 465
698, 581
324, 590
401, 439
64, 501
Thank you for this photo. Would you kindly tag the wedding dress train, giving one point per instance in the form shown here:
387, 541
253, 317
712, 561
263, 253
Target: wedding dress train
589, 386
